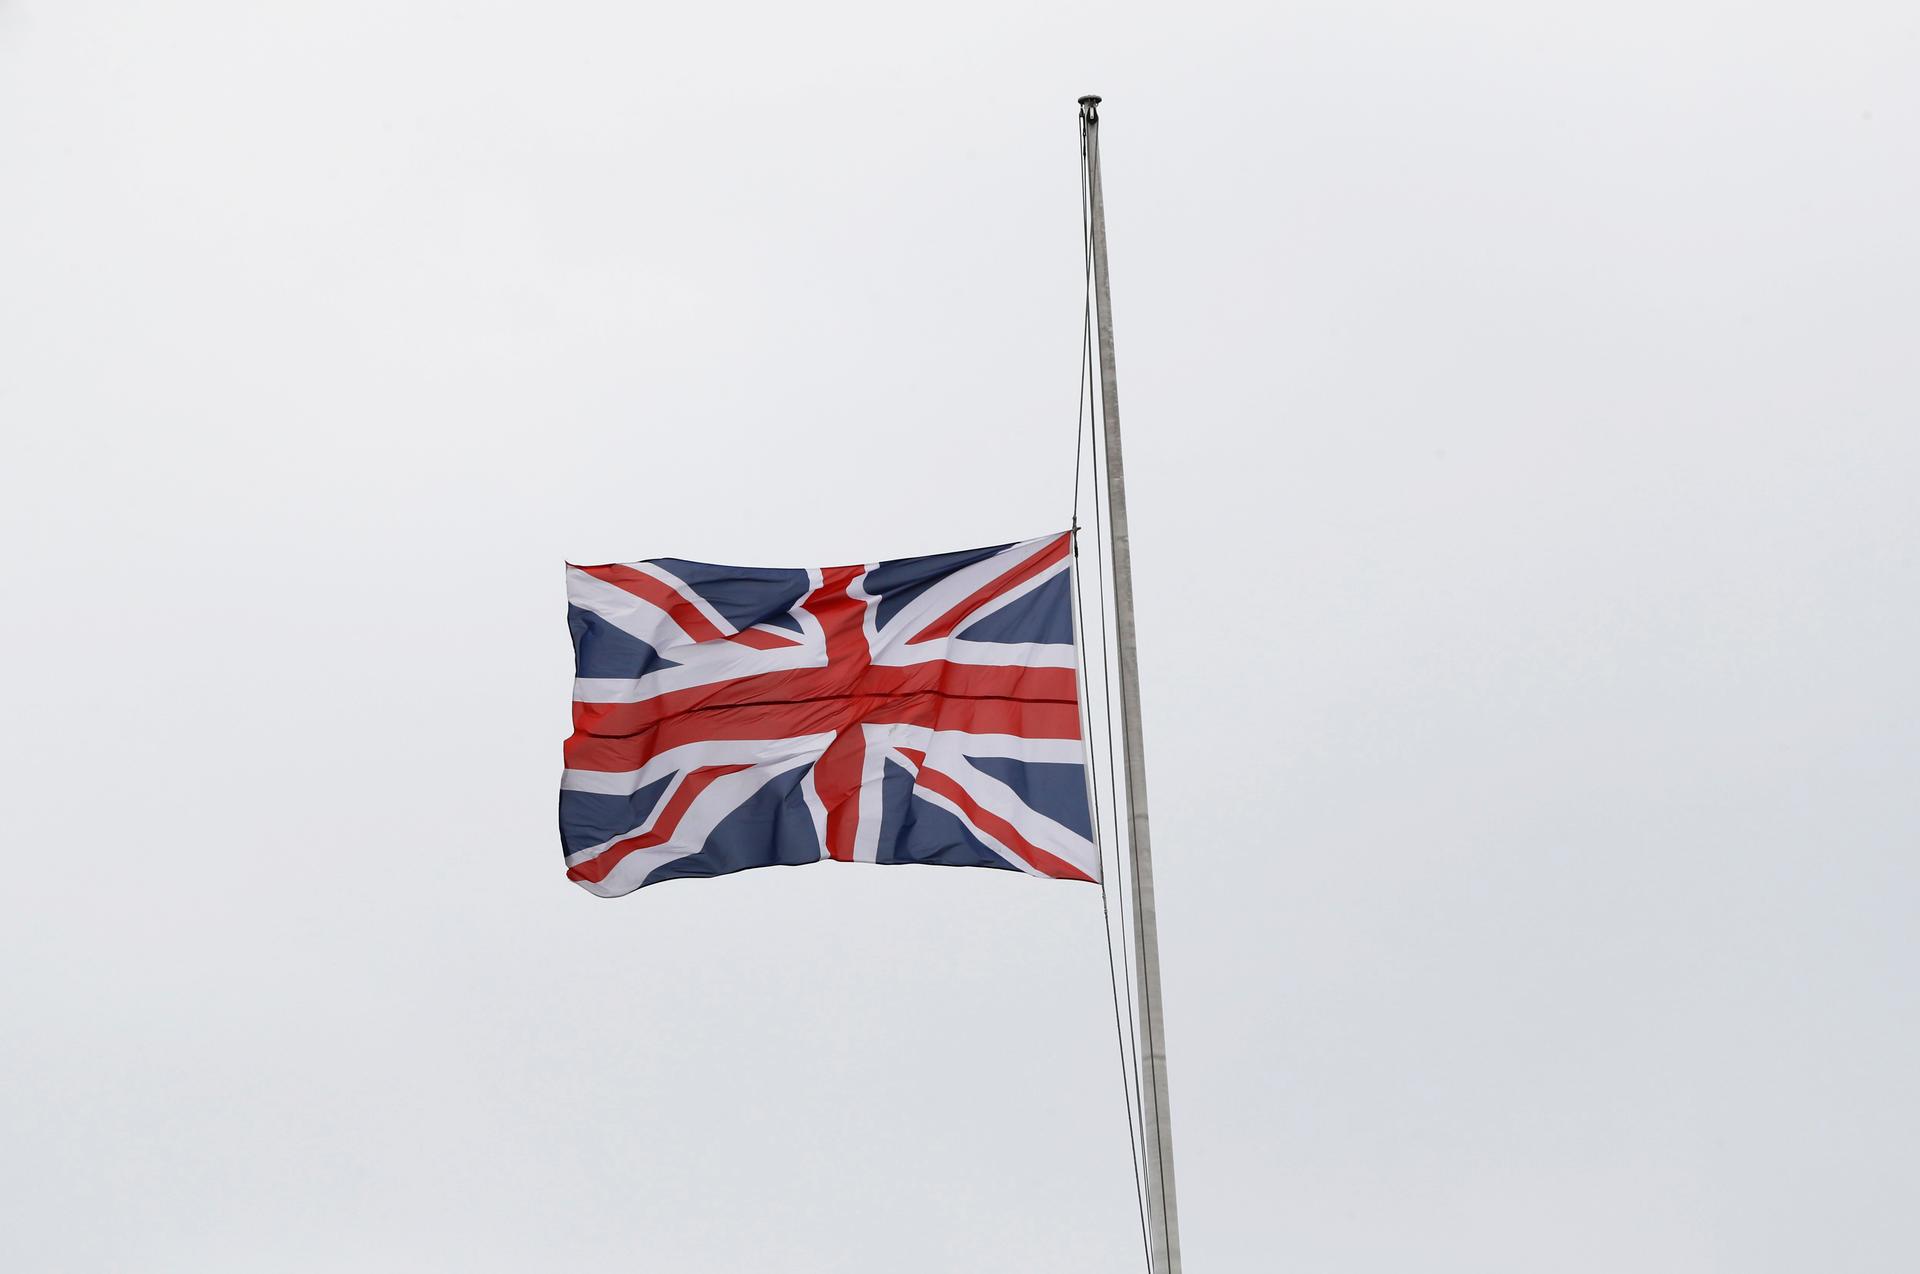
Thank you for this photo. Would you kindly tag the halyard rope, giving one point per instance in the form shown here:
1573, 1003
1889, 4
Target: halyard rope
1085, 424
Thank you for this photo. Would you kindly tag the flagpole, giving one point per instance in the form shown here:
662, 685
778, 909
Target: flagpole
1163, 1228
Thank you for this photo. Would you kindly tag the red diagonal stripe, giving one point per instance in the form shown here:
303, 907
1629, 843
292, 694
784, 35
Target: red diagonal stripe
1019, 575
999, 828
679, 609
596, 869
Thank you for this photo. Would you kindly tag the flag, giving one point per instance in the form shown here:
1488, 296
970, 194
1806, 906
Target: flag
920, 710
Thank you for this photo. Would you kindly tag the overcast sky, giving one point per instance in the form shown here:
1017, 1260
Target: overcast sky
1524, 429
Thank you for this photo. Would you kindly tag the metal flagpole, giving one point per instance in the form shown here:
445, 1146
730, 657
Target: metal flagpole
1163, 1226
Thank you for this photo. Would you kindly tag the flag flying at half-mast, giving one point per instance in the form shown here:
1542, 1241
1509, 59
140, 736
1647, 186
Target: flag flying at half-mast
920, 710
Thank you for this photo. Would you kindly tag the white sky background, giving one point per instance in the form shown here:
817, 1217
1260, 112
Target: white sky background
1522, 412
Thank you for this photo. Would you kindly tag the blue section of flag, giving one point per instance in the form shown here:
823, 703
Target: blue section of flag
902, 579
1044, 615
1055, 790
913, 830
602, 650
594, 818
745, 595
770, 828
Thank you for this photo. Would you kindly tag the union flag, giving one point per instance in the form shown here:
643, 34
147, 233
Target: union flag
919, 710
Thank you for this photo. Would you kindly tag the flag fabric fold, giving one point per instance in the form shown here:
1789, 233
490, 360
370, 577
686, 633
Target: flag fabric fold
920, 710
